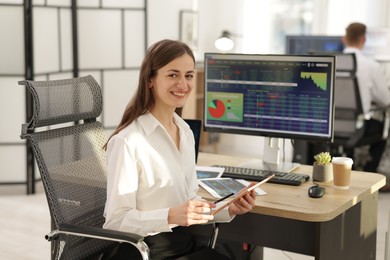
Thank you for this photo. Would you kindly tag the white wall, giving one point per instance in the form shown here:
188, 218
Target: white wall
341, 13
163, 18
216, 16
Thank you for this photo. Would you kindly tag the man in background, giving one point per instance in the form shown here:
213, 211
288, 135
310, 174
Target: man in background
372, 85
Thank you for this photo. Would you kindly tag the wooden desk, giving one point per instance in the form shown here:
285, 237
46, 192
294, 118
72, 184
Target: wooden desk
339, 226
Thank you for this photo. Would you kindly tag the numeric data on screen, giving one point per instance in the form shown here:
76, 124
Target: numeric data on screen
292, 97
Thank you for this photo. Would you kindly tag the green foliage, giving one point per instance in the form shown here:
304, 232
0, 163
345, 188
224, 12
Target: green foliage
323, 158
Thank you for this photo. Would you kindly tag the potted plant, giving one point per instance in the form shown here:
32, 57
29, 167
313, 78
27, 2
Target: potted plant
322, 167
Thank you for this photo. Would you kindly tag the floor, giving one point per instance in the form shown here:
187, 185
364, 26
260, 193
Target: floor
24, 220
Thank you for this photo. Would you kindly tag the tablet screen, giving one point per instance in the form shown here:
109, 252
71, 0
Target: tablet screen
220, 187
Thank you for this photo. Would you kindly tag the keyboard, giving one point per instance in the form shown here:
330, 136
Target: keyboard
237, 172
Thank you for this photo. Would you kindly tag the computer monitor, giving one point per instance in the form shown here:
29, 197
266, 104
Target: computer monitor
305, 44
275, 96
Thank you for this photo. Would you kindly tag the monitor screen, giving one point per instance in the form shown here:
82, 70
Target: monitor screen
305, 44
270, 95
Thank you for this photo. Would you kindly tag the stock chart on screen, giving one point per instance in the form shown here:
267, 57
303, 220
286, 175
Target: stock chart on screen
271, 95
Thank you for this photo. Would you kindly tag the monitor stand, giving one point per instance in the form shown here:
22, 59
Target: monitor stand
271, 158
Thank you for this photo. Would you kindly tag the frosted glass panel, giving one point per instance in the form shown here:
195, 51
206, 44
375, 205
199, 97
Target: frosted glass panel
65, 75
123, 3
59, 2
13, 163
134, 38
38, 2
12, 40
66, 39
11, 1
100, 40
88, 3
40, 77
119, 87
95, 74
46, 40
12, 100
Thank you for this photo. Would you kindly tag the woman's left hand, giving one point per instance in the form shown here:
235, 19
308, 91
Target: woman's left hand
243, 205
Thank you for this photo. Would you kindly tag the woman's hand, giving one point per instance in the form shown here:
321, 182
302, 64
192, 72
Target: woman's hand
190, 213
243, 205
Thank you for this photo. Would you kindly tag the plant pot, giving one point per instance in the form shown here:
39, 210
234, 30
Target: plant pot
322, 173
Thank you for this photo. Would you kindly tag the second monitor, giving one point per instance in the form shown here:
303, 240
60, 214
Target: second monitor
305, 44
270, 95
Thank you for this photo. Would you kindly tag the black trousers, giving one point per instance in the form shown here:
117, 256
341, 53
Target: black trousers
374, 127
167, 245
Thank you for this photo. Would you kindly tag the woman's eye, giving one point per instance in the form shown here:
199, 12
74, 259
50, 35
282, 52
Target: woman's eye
189, 76
172, 75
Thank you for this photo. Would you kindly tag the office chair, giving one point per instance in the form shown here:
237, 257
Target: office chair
349, 118
349, 122
67, 143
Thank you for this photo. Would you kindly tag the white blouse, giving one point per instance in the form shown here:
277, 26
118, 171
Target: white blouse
147, 175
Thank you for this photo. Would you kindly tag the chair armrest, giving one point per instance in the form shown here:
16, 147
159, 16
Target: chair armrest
101, 233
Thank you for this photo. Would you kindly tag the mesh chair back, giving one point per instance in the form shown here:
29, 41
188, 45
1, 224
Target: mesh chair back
346, 62
348, 105
61, 101
70, 158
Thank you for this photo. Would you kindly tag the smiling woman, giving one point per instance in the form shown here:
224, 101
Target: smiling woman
172, 85
152, 184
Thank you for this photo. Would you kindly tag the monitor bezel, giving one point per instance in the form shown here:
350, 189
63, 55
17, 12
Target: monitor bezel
269, 134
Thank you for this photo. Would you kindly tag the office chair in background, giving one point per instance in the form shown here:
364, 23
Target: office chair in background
349, 117
67, 143
349, 123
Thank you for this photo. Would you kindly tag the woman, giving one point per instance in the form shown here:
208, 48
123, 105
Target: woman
152, 185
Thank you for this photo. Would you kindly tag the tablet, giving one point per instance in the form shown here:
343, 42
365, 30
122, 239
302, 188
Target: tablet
242, 193
220, 187
207, 172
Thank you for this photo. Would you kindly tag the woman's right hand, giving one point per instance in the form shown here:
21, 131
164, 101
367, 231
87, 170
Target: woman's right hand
191, 212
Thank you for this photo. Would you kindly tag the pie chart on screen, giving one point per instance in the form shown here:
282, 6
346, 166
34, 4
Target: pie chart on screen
216, 108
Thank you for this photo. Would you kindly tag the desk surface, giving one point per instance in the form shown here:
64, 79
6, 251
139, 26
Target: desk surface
293, 202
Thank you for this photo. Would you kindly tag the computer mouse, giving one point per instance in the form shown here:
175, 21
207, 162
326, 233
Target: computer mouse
316, 191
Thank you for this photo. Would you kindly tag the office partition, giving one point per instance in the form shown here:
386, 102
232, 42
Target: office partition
53, 39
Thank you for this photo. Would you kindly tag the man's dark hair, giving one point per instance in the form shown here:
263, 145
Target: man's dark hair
354, 32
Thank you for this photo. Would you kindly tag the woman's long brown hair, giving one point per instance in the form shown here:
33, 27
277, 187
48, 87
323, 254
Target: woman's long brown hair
157, 56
